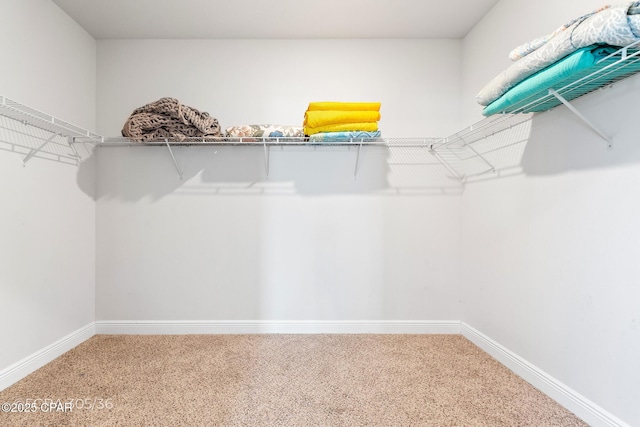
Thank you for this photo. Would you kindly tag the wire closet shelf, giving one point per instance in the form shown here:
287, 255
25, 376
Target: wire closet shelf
67, 142
616, 66
33, 133
428, 142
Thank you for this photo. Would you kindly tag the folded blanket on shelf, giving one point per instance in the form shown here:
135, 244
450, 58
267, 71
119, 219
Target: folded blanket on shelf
264, 131
343, 127
344, 106
168, 118
344, 136
575, 66
333, 117
612, 26
526, 48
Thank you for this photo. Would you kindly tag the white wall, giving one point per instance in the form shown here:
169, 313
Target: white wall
550, 255
307, 243
272, 81
47, 224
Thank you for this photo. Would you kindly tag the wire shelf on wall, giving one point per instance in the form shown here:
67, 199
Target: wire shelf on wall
269, 141
496, 143
618, 65
420, 149
488, 146
31, 133
492, 144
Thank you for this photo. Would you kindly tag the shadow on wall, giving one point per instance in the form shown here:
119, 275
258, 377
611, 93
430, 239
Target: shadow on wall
560, 141
131, 173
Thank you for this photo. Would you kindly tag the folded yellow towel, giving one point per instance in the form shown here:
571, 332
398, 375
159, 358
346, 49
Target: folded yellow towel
342, 127
322, 118
344, 106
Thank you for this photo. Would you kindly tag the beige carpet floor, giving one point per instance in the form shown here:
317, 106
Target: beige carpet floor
279, 380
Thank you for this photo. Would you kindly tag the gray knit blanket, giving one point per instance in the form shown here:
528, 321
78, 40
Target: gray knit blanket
168, 118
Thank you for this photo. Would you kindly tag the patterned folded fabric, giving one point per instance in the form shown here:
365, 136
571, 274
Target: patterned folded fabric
344, 106
264, 131
526, 48
344, 136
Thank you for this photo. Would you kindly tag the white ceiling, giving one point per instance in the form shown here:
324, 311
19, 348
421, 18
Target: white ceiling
206, 19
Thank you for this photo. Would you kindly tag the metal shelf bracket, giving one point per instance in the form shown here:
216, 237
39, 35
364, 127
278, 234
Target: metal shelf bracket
175, 163
266, 158
355, 170
480, 156
583, 118
35, 151
443, 162
71, 142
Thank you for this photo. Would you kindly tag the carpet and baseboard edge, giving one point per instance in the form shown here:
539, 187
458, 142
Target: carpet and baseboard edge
567, 397
15, 372
570, 399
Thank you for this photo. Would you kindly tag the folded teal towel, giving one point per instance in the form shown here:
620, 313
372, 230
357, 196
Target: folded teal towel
344, 136
573, 67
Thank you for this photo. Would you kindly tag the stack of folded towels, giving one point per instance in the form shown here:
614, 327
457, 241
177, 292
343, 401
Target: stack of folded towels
339, 121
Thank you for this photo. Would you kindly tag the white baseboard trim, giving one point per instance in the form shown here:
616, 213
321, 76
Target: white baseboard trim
276, 327
591, 413
29, 364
